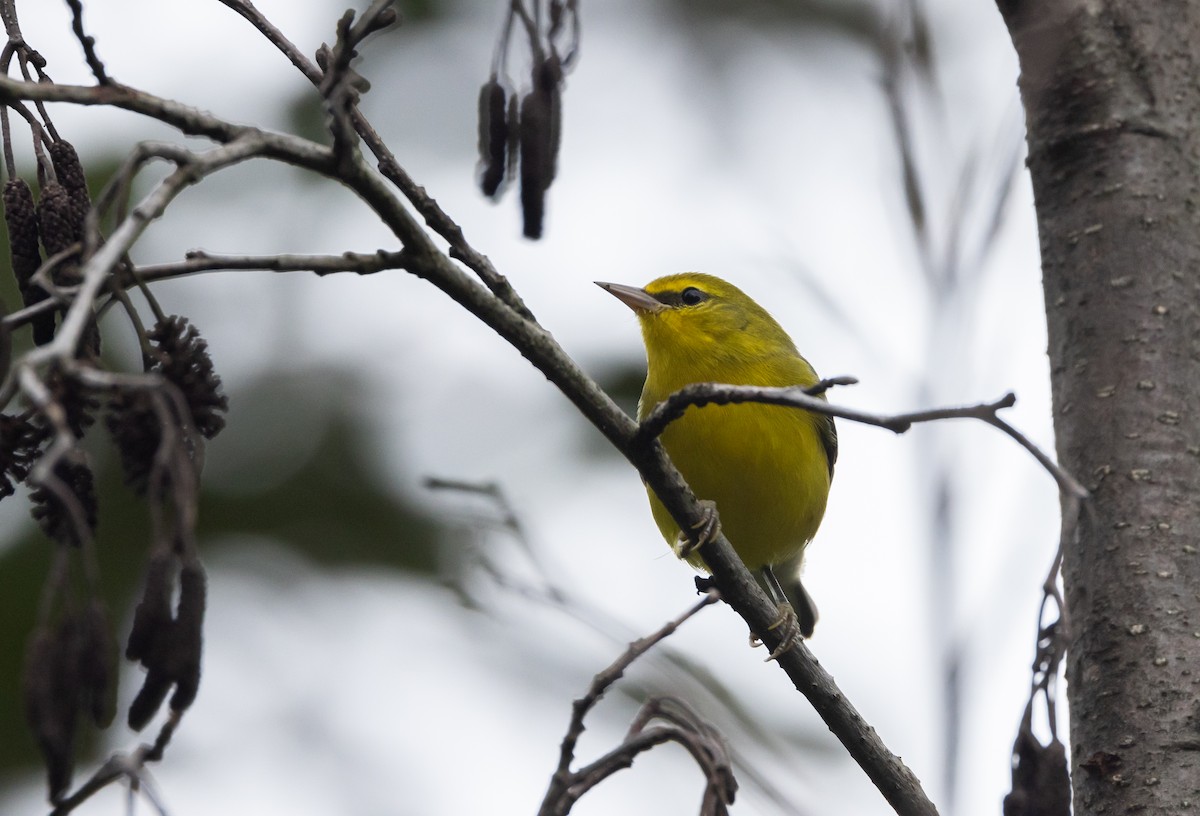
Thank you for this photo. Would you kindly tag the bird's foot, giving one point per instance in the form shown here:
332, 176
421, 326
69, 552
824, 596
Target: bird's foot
703, 531
789, 632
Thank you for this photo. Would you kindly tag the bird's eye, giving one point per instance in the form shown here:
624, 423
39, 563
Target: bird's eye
691, 296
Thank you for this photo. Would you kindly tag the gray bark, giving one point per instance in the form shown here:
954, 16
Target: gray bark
1111, 90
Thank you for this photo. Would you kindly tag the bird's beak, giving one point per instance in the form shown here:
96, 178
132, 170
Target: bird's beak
637, 299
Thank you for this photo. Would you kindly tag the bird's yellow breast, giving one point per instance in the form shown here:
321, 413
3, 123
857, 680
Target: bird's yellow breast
763, 466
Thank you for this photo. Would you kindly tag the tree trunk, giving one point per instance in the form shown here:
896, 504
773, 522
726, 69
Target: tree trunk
1111, 90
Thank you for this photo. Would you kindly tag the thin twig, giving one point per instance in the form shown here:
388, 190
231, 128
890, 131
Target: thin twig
564, 779
88, 43
360, 263
605, 678
719, 785
130, 766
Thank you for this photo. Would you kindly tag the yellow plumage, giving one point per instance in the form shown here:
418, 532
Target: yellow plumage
767, 468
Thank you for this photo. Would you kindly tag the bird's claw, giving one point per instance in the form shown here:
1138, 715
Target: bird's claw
789, 634
703, 531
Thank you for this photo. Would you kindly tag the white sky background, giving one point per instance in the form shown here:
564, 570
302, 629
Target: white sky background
764, 158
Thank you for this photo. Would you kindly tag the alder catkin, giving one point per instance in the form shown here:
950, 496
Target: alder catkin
535, 165
514, 140
50, 694
541, 131
55, 220
153, 612
97, 664
54, 514
72, 210
188, 635
168, 647
150, 638
136, 431
70, 174
20, 445
184, 360
21, 216
548, 79
149, 698
493, 136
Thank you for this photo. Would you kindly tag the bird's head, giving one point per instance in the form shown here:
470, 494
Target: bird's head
693, 315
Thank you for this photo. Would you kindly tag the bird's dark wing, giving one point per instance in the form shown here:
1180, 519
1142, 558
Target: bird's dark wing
828, 432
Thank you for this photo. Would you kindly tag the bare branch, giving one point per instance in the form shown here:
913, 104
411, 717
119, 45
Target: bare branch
719, 786
566, 785
197, 261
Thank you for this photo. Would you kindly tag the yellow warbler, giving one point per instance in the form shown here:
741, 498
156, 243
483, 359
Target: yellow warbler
767, 468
